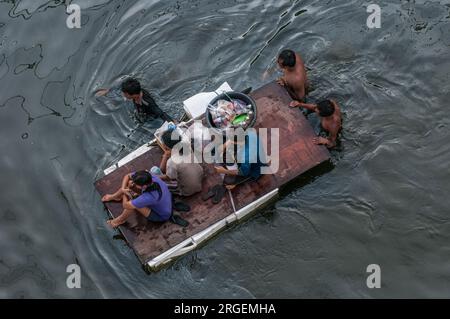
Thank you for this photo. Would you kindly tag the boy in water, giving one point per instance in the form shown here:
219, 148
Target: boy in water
144, 103
294, 77
330, 120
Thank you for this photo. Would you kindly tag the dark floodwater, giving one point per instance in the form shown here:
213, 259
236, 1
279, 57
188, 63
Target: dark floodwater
386, 200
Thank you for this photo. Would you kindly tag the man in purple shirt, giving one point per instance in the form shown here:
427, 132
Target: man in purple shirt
154, 201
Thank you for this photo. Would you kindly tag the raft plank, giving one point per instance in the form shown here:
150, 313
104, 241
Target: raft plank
297, 155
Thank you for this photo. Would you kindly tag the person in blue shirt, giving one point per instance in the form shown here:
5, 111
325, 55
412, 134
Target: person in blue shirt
249, 158
153, 200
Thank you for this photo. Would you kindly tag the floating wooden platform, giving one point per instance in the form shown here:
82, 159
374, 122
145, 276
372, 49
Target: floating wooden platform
156, 245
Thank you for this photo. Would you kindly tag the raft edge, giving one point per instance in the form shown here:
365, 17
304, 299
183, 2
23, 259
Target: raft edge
131, 156
195, 241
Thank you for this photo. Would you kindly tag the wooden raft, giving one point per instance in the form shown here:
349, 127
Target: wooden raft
298, 154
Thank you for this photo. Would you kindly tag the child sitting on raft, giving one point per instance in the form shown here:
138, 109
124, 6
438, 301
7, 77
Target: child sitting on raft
152, 199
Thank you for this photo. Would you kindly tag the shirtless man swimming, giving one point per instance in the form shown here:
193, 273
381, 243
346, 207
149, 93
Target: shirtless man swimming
330, 119
294, 74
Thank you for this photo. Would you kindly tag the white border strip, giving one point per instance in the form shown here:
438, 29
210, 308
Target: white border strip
192, 242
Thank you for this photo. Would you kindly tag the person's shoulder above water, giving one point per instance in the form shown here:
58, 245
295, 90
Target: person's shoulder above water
328, 108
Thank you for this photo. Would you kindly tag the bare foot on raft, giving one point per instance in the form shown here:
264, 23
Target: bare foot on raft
108, 198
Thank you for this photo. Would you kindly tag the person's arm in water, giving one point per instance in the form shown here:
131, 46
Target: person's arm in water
101, 92
115, 90
114, 94
329, 142
333, 130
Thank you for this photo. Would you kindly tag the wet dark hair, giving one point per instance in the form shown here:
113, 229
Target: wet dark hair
287, 58
167, 139
144, 178
131, 86
326, 108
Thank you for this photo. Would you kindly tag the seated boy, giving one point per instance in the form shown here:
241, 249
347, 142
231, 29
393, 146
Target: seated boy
154, 200
248, 159
188, 175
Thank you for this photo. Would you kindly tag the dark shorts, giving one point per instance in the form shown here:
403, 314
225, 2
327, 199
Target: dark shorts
153, 217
